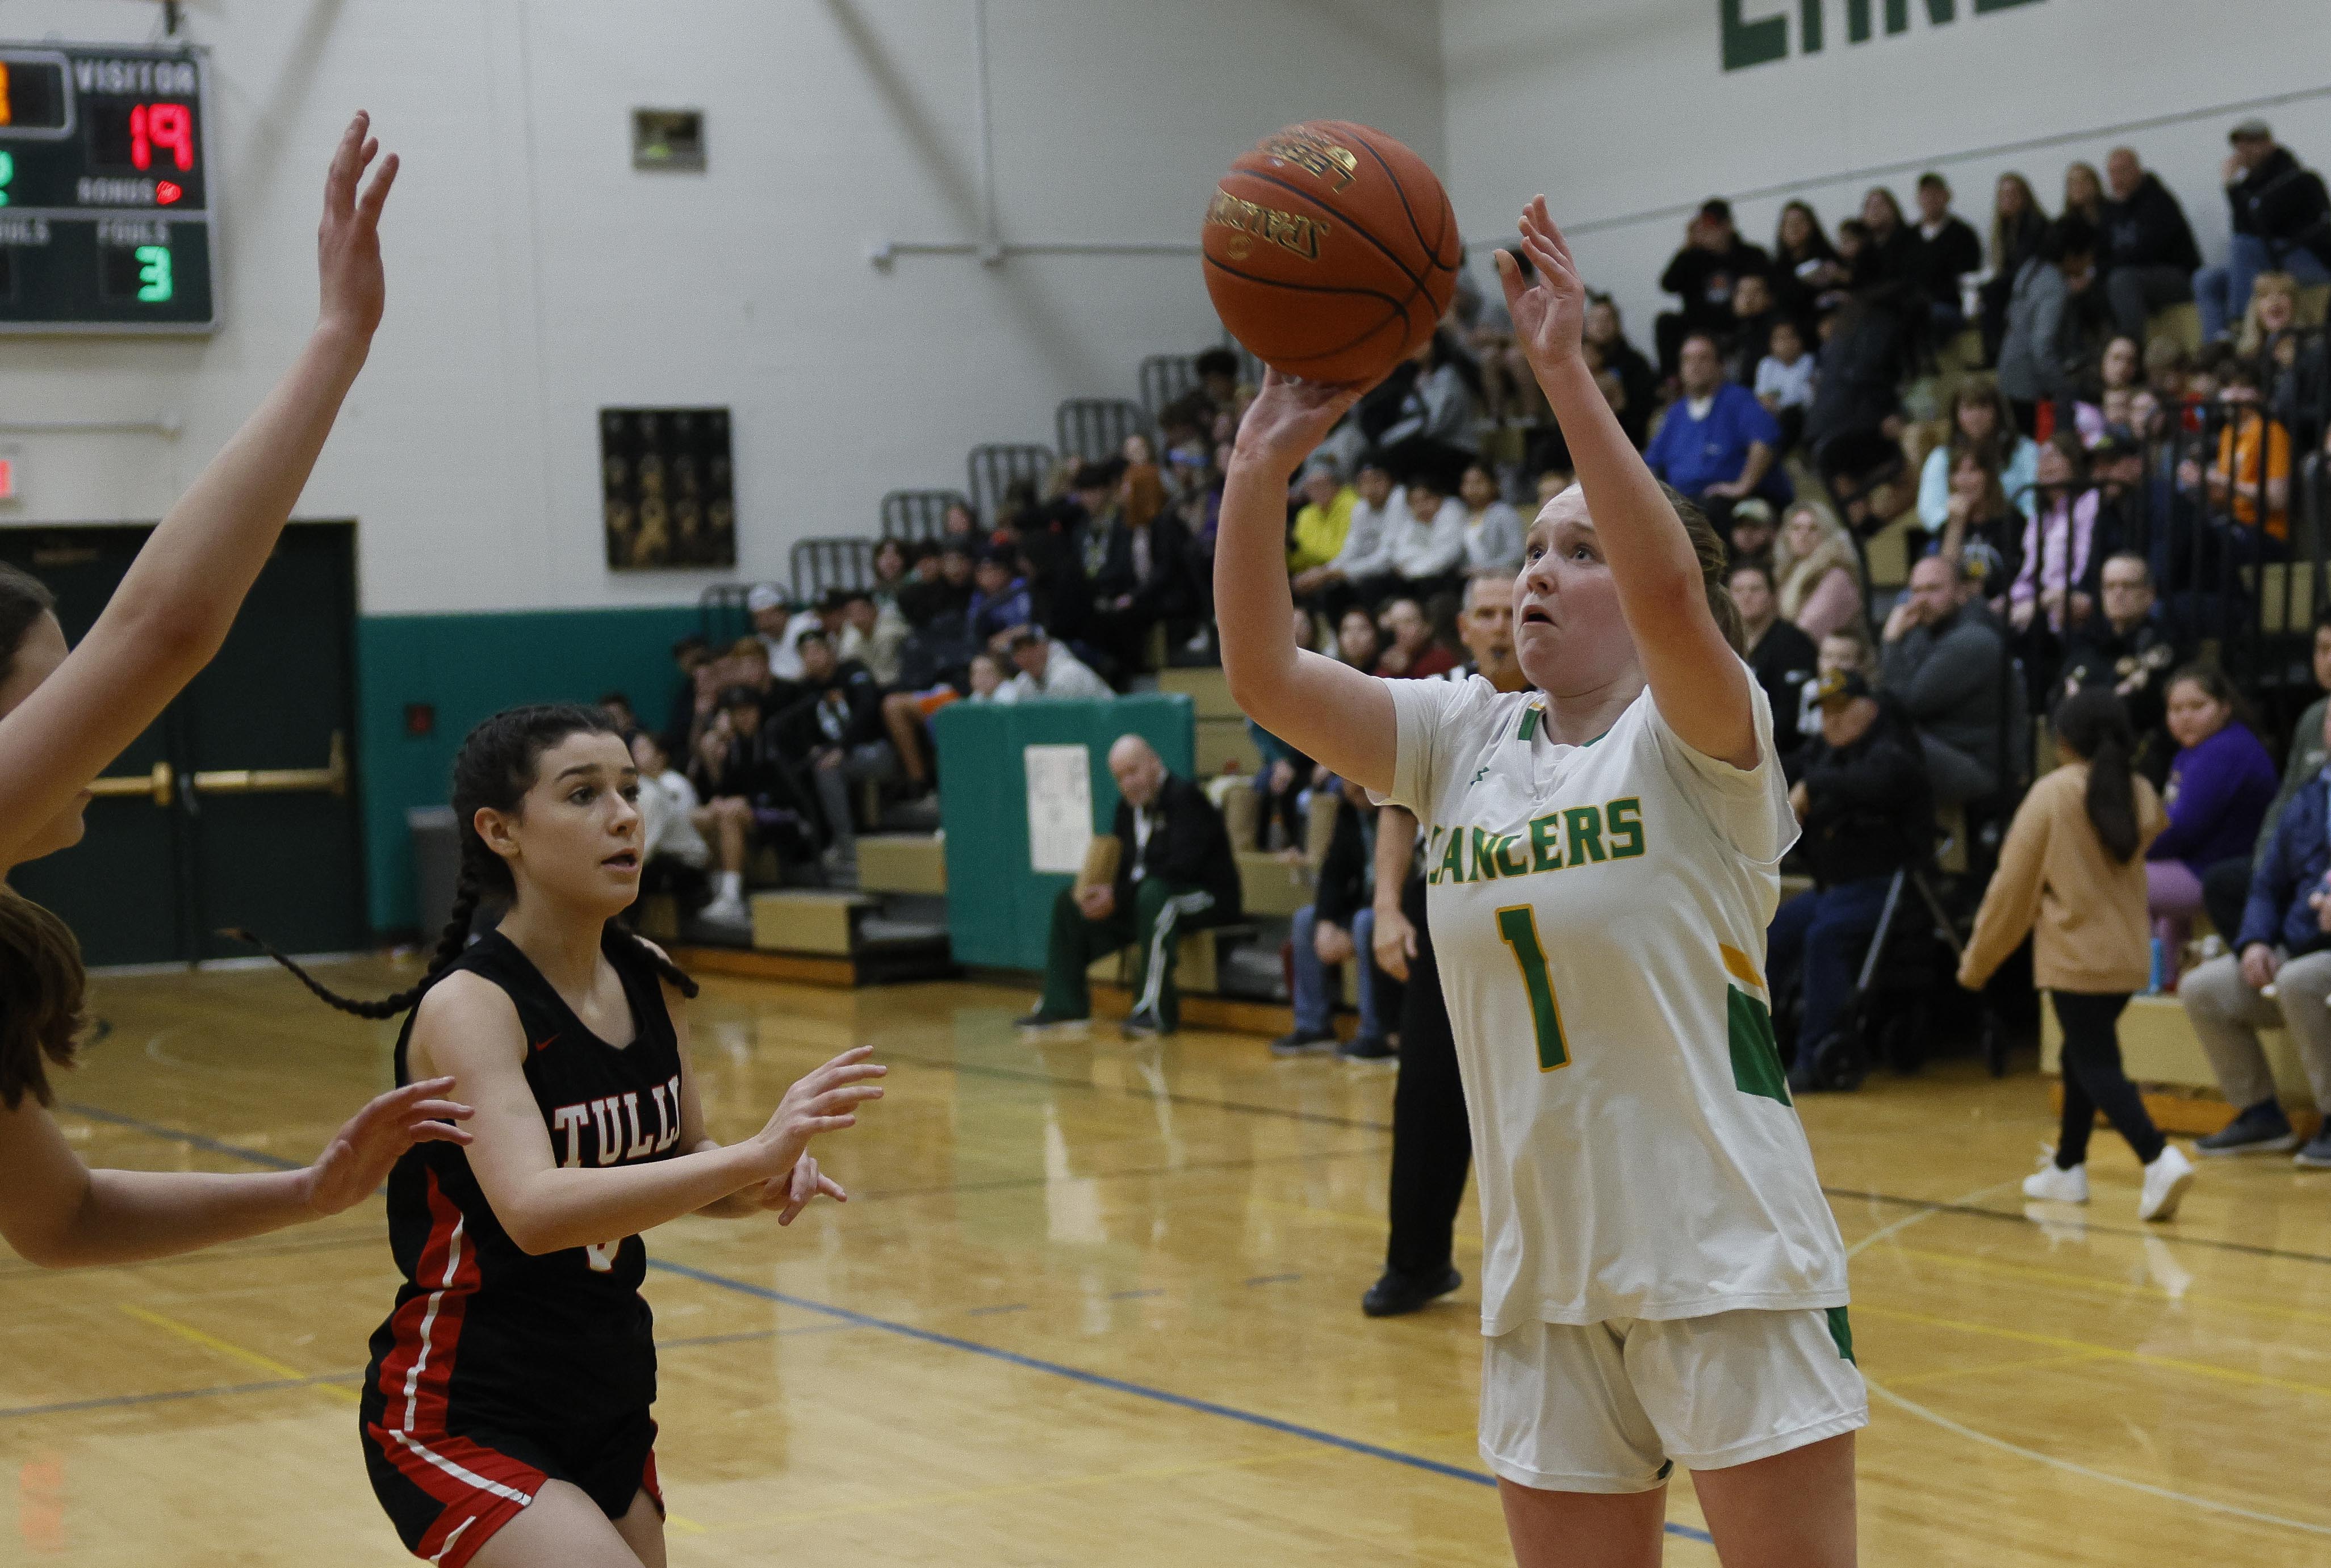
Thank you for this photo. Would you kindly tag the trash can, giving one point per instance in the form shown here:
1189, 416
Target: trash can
436, 865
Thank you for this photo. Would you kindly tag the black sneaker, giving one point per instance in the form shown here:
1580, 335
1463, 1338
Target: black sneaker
1039, 1019
1368, 1048
2317, 1154
2262, 1129
1304, 1042
1396, 1295
1143, 1024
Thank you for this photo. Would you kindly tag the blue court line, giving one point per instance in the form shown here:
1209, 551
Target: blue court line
115, 1402
1270, 1279
906, 1331
1114, 1384
193, 1140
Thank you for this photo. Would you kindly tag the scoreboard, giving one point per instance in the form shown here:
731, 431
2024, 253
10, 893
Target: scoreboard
105, 183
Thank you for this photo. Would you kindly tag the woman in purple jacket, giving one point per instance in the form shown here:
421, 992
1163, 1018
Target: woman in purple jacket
2220, 785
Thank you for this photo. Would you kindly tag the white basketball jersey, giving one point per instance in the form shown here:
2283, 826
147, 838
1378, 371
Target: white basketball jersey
1598, 913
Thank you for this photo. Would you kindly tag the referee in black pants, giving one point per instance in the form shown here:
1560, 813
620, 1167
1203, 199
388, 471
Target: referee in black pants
1431, 1141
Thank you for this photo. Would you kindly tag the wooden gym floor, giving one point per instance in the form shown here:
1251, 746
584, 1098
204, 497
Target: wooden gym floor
1098, 1305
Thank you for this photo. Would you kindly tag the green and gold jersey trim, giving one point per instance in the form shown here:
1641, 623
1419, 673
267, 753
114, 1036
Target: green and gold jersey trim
1748, 1022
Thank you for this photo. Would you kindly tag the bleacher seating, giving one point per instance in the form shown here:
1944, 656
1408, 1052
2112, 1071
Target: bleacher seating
819, 565
1093, 429
994, 470
918, 517
1165, 377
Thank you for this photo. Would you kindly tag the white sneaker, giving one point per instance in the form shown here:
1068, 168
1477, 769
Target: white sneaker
728, 911
2166, 1181
2051, 1184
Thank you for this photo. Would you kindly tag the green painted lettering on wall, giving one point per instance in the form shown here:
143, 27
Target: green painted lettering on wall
1746, 42
1749, 40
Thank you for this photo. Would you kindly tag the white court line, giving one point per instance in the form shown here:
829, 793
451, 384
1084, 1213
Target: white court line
1973, 1436
1985, 1439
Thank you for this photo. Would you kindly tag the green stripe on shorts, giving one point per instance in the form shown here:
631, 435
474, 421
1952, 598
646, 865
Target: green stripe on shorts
1842, 1331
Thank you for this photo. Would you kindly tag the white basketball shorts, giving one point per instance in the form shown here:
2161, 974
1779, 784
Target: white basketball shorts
1614, 1406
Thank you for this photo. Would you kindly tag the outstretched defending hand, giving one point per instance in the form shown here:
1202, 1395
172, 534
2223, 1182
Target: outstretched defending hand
360, 1154
1550, 311
347, 245
790, 1193
1288, 418
822, 1101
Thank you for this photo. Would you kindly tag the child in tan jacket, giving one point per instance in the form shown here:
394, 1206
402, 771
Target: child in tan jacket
2072, 873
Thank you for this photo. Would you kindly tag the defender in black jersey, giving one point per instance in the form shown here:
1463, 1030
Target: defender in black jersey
506, 1409
498, 1370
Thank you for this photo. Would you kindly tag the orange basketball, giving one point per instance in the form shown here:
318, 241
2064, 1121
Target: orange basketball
1331, 251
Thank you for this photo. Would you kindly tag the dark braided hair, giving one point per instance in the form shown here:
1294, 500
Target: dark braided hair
494, 768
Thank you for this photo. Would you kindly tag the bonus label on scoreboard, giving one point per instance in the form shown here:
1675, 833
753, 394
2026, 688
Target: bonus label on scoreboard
105, 217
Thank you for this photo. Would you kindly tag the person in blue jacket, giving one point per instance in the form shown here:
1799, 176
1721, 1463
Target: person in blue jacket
2278, 974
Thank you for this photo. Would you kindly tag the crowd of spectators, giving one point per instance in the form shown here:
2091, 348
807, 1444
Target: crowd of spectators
2077, 490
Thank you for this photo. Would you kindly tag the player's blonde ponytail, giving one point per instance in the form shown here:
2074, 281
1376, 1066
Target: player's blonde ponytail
1714, 561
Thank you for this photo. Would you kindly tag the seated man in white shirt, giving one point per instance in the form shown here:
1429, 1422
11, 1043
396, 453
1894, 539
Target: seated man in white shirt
1049, 671
1424, 544
1329, 590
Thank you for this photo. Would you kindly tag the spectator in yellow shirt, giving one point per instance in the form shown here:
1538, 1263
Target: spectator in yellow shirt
1326, 520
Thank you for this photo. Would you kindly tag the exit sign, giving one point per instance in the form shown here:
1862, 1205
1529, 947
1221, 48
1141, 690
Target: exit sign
7, 479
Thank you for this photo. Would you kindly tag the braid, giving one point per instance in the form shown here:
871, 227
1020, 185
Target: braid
449, 948
386, 1007
678, 979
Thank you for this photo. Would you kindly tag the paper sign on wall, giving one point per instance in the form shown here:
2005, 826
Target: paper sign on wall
1060, 806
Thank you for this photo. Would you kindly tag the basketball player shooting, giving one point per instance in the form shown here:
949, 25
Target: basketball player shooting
1663, 1281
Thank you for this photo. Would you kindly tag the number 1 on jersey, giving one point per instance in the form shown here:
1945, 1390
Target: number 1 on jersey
1517, 924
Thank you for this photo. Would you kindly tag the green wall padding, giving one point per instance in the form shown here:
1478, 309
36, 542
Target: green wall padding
468, 668
999, 910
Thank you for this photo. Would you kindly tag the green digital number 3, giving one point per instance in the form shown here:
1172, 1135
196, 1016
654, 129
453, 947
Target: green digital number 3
1517, 924
7, 175
155, 286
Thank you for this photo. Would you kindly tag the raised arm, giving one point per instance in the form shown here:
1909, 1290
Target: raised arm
180, 595
1322, 708
470, 1029
1698, 682
58, 1214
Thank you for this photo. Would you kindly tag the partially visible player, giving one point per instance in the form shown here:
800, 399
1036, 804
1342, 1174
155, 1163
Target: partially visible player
505, 1415
1663, 1282
65, 714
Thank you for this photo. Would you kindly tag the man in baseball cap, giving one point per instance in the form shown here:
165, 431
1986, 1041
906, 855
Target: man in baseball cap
2281, 222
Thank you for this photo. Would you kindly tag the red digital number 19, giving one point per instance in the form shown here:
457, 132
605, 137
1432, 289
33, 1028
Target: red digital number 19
164, 125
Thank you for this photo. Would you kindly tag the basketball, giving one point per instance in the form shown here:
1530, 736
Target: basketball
1331, 251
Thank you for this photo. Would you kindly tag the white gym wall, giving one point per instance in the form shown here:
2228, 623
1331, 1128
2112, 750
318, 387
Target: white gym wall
534, 276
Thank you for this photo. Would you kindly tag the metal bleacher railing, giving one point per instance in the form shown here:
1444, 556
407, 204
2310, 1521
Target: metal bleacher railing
1165, 377
996, 470
818, 565
920, 517
1094, 429
2239, 578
